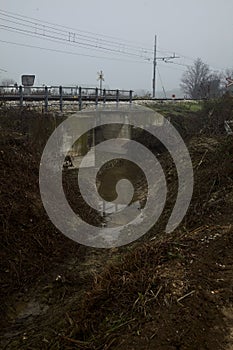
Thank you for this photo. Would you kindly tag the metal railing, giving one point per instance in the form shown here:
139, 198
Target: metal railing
60, 94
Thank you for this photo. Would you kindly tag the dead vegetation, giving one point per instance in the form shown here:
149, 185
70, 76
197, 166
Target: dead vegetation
165, 292
168, 293
30, 243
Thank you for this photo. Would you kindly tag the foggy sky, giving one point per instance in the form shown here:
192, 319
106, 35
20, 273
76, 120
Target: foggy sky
192, 28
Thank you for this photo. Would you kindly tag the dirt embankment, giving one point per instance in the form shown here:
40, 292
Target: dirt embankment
29, 241
168, 292
174, 292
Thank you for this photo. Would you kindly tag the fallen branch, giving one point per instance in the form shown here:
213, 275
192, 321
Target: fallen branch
186, 295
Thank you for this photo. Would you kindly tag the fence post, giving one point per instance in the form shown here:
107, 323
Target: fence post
60, 98
46, 99
130, 96
21, 96
80, 98
104, 96
117, 97
96, 97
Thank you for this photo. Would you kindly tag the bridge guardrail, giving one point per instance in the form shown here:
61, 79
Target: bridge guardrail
61, 94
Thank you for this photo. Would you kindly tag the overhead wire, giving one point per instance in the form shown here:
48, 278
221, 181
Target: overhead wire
92, 40
68, 36
83, 45
92, 37
95, 37
69, 52
81, 54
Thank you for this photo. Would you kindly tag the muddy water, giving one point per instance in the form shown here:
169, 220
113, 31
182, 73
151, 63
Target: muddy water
107, 179
113, 213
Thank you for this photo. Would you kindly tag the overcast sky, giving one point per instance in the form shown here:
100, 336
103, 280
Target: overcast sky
190, 28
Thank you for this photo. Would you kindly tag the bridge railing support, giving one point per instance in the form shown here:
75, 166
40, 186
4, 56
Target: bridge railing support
46, 99
21, 96
130, 96
104, 96
60, 99
80, 98
117, 97
96, 97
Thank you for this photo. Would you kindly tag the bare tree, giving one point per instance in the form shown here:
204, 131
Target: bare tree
228, 73
194, 80
214, 85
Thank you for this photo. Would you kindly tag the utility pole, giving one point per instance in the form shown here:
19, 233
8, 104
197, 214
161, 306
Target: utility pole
165, 59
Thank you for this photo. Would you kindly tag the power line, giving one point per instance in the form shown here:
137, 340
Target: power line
70, 36
188, 65
62, 26
171, 67
89, 40
63, 40
89, 36
70, 52
179, 64
43, 38
80, 54
95, 37
88, 46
